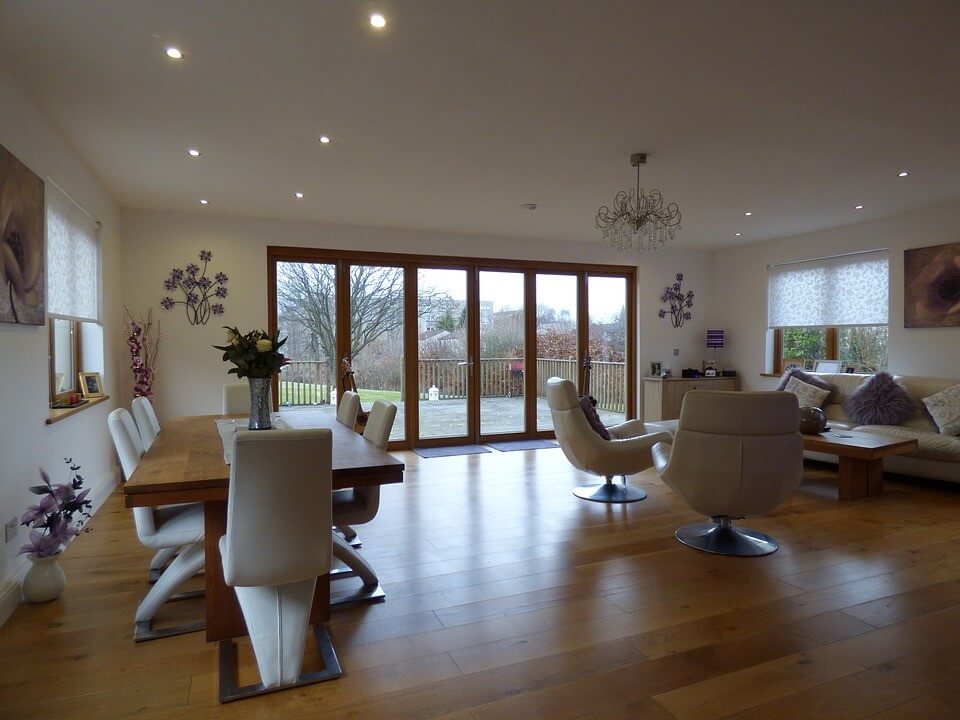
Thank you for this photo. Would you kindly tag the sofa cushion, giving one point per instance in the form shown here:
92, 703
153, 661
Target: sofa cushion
807, 395
932, 446
944, 408
844, 385
586, 404
809, 379
880, 400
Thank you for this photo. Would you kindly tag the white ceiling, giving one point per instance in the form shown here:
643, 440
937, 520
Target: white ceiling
460, 111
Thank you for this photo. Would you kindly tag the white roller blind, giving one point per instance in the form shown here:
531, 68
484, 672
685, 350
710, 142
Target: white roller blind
73, 259
845, 290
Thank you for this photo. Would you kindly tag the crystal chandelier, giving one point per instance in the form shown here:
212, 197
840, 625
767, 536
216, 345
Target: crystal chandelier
637, 220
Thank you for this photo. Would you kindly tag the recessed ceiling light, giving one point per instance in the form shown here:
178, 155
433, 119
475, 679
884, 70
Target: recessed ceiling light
529, 206
174, 53
378, 20
748, 213
903, 173
859, 207
739, 234
204, 202
193, 152
298, 194
324, 139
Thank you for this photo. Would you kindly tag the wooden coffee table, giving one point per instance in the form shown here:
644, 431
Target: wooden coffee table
861, 458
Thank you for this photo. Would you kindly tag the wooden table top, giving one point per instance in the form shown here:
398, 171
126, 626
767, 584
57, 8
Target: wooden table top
185, 463
866, 446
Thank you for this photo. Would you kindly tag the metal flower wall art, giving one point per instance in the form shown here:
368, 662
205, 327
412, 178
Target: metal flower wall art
201, 295
681, 303
22, 275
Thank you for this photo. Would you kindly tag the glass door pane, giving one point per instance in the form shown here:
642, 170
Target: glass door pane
501, 352
307, 317
376, 337
607, 309
443, 370
556, 337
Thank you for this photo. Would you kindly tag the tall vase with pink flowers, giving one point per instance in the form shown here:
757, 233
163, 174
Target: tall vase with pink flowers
143, 341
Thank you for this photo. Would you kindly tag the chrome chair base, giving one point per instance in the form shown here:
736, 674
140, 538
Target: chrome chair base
230, 691
143, 630
609, 492
722, 538
367, 593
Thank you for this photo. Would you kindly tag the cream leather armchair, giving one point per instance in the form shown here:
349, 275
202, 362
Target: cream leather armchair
735, 455
627, 453
276, 546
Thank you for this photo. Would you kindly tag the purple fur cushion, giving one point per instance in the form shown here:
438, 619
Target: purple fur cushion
881, 400
593, 418
809, 379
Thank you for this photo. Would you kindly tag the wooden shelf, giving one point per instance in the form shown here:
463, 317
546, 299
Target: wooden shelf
58, 414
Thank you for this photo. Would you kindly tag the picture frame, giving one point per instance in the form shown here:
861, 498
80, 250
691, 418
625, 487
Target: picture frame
91, 384
826, 366
851, 369
710, 372
794, 363
656, 368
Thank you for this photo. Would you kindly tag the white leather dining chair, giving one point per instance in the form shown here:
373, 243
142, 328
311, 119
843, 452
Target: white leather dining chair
172, 527
348, 409
146, 418
276, 546
236, 399
359, 505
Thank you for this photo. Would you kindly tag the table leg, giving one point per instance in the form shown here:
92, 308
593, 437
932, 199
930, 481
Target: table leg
224, 618
860, 478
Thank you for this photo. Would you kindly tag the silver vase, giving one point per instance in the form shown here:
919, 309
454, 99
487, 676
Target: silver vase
260, 403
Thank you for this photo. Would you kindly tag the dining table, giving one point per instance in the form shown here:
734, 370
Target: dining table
186, 463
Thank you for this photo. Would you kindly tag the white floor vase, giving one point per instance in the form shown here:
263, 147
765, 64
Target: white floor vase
45, 580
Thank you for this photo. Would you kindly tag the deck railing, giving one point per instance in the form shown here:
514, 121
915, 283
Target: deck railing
307, 382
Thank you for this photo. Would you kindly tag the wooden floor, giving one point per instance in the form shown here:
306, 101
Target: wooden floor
510, 598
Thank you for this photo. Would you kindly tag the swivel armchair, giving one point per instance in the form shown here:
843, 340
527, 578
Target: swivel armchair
735, 455
626, 453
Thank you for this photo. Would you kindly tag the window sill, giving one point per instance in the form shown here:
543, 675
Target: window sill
58, 414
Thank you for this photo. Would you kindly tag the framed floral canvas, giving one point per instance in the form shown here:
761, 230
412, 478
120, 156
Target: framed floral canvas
22, 255
931, 293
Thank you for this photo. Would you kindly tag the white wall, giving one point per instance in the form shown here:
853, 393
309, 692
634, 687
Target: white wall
740, 290
26, 442
191, 373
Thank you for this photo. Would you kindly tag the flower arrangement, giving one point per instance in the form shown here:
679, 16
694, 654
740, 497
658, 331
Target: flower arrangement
143, 340
255, 354
52, 520
680, 303
201, 294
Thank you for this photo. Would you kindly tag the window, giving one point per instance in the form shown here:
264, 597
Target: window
73, 282
833, 309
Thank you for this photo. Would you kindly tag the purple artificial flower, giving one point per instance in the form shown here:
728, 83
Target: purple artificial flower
62, 492
176, 274
170, 284
193, 269
41, 543
166, 303
204, 283
216, 309
220, 278
206, 255
33, 512
192, 298
221, 292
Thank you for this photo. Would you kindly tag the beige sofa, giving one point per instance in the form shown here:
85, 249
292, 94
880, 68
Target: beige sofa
938, 456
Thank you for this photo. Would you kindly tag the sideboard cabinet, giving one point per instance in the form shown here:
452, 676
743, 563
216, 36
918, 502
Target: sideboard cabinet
662, 397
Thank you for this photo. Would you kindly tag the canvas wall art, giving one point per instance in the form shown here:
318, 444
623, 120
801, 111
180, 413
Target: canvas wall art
22, 255
931, 294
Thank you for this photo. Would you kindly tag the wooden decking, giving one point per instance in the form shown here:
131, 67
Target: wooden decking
508, 597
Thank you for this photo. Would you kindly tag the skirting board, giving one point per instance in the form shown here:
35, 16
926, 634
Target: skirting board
10, 591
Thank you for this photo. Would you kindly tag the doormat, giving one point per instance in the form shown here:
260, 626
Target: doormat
450, 451
511, 445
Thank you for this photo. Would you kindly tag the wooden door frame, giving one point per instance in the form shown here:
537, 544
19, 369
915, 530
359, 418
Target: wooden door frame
410, 263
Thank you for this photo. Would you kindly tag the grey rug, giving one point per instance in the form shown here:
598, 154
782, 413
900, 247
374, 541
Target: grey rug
450, 451
511, 445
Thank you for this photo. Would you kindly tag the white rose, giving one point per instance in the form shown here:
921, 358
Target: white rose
232, 338
264, 345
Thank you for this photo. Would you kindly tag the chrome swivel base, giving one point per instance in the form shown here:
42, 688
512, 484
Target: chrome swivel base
143, 630
608, 492
229, 690
722, 538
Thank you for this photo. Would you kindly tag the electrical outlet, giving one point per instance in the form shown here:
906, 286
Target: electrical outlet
10, 530
676, 351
